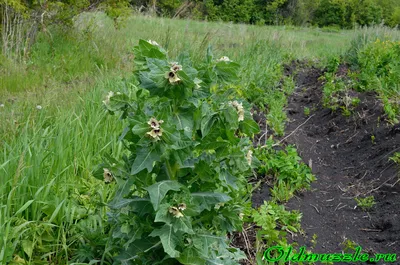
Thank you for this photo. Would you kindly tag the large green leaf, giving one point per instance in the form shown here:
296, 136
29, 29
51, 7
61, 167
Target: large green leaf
128, 256
183, 224
140, 129
190, 256
205, 242
158, 191
145, 158
228, 180
227, 71
146, 50
206, 124
169, 239
206, 200
249, 127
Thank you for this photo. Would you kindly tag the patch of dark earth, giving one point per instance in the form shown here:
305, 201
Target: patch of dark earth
350, 158
347, 162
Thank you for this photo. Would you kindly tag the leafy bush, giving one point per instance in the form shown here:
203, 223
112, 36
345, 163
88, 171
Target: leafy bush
284, 166
183, 186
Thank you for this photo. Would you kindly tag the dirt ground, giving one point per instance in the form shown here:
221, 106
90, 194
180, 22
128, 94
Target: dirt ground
348, 163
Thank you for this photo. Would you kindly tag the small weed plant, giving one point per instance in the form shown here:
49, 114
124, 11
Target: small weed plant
366, 203
396, 158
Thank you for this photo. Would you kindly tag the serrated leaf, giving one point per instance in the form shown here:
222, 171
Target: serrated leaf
206, 200
183, 224
169, 239
206, 124
228, 179
145, 159
127, 256
163, 215
205, 242
158, 191
190, 256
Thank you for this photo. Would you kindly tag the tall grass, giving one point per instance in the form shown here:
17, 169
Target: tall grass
45, 174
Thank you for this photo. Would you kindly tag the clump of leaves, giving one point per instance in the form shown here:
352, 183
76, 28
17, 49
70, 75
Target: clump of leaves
275, 222
396, 158
183, 186
366, 203
338, 94
288, 173
349, 245
307, 111
379, 64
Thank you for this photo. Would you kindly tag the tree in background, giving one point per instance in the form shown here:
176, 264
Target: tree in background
394, 20
334, 13
367, 12
21, 20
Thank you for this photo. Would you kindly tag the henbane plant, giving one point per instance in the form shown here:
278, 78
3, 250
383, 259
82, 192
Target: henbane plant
182, 186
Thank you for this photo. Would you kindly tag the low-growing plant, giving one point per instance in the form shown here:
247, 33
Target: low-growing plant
366, 203
337, 93
285, 167
183, 186
333, 64
349, 245
396, 158
373, 139
275, 222
307, 111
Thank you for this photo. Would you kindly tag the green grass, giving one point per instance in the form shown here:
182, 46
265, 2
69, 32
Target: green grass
47, 194
47, 188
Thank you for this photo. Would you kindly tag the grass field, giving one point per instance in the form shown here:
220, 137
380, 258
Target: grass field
54, 129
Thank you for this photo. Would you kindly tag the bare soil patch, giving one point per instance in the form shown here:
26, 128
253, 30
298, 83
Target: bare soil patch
350, 157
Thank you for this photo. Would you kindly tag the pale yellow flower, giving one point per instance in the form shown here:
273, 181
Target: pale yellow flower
249, 157
224, 59
182, 206
155, 133
154, 123
175, 67
239, 109
152, 42
172, 77
108, 177
241, 215
109, 96
175, 212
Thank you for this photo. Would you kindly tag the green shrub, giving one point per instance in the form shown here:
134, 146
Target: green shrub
183, 186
